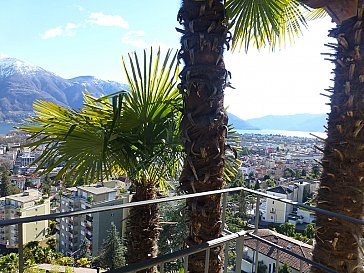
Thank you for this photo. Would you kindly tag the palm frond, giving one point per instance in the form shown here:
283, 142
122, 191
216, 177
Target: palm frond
231, 159
265, 22
316, 14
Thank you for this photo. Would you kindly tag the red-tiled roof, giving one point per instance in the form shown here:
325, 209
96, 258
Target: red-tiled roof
293, 245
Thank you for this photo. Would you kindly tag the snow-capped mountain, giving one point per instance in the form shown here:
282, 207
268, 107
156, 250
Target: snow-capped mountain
10, 66
22, 83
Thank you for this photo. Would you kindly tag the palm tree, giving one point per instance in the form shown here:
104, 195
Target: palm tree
205, 35
135, 133
338, 242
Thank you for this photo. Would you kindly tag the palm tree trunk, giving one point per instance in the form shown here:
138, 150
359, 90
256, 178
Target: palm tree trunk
203, 127
342, 182
143, 228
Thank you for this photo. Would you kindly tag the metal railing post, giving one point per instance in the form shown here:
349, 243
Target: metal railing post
20, 248
226, 255
185, 264
256, 257
239, 254
161, 268
207, 260
257, 214
277, 260
224, 205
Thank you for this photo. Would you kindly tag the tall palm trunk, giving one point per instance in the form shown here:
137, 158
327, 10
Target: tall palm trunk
143, 227
203, 127
342, 185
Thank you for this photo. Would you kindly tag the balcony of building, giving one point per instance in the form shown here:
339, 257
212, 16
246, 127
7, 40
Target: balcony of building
248, 245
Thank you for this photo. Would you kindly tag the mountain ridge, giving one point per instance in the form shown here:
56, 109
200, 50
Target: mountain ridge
22, 83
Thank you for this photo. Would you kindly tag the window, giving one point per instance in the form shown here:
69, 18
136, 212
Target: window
112, 214
272, 202
271, 217
269, 268
62, 242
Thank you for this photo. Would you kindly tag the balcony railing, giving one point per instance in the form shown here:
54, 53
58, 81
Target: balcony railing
183, 254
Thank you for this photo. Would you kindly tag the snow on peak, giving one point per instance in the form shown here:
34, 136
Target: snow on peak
10, 66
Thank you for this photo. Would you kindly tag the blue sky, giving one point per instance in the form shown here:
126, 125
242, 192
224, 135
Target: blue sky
73, 38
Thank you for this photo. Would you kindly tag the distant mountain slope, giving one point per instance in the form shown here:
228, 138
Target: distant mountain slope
22, 83
240, 124
298, 122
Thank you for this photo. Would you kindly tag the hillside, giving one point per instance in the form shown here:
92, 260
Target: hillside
240, 124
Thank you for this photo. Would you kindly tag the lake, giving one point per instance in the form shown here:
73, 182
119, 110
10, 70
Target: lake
283, 133
6, 127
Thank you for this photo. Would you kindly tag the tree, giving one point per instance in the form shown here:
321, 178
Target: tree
6, 187
85, 251
47, 185
287, 229
341, 189
112, 251
133, 132
284, 269
203, 80
309, 231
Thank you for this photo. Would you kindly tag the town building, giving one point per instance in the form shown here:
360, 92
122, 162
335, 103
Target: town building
26, 204
269, 254
73, 231
277, 211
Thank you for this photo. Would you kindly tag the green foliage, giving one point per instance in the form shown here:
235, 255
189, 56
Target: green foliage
66, 261
52, 228
262, 23
9, 263
174, 231
6, 187
134, 132
284, 269
84, 262
287, 229
310, 231
47, 185
34, 253
112, 251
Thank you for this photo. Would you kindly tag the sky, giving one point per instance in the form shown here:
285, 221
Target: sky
77, 37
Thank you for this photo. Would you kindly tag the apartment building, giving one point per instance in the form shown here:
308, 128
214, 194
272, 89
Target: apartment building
279, 212
28, 203
73, 231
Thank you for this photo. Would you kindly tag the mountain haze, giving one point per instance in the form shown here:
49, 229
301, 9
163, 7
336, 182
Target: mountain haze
22, 83
298, 122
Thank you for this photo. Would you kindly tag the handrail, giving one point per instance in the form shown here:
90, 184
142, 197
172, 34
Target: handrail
172, 198
207, 245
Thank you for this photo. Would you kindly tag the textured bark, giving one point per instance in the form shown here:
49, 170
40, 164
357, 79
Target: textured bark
143, 228
203, 127
342, 182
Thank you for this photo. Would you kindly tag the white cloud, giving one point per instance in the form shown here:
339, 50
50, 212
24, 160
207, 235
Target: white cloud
101, 19
70, 26
53, 32
80, 8
67, 30
135, 39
